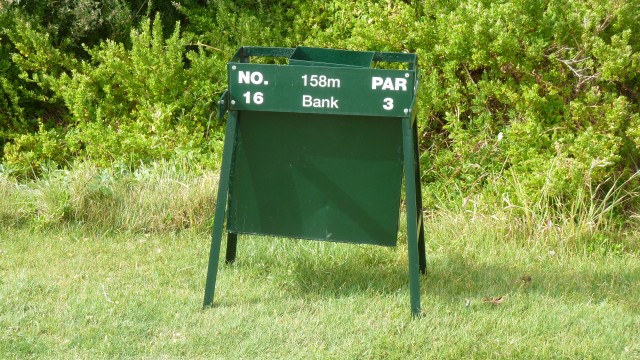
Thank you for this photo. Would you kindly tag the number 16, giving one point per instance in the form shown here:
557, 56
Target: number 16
257, 98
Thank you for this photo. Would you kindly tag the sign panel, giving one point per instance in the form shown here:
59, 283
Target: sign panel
316, 149
316, 176
322, 90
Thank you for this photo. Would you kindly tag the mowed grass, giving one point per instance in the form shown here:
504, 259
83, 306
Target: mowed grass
78, 293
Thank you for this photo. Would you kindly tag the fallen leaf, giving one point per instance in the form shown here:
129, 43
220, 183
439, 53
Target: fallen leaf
494, 300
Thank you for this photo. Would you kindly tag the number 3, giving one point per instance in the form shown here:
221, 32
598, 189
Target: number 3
388, 104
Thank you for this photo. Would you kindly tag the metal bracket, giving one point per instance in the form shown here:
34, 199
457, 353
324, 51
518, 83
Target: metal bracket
223, 104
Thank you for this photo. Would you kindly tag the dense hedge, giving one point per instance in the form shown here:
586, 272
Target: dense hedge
533, 97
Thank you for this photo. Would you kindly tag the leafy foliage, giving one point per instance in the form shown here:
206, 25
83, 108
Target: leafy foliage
20, 103
40, 41
523, 90
134, 106
520, 100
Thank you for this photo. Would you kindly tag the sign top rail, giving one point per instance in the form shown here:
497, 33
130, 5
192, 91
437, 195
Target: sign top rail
324, 81
246, 52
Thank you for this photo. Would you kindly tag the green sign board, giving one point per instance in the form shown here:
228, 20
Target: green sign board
318, 149
321, 90
337, 179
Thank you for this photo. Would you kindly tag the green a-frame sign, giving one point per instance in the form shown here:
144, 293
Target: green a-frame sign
317, 149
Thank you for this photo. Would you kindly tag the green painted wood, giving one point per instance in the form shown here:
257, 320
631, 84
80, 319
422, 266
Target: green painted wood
330, 57
322, 177
321, 89
318, 149
412, 214
221, 206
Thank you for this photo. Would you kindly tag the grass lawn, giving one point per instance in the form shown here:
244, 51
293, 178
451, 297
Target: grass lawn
77, 293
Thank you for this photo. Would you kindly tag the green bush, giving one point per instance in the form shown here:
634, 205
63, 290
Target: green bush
229, 24
72, 24
521, 102
43, 38
133, 106
160, 196
545, 92
21, 102
27, 154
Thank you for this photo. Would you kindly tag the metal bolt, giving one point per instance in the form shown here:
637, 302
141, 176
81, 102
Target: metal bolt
406, 75
406, 111
233, 102
233, 67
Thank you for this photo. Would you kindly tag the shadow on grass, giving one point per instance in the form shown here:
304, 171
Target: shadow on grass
300, 280
347, 278
457, 277
317, 269
344, 272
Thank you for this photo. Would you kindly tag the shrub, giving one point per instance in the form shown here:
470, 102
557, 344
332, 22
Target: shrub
28, 154
156, 197
542, 94
134, 106
22, 101
529, 90
545, 92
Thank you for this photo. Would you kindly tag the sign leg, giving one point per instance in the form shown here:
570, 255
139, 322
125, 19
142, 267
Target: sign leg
221, 207
232, 246
412, 214
421, 247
